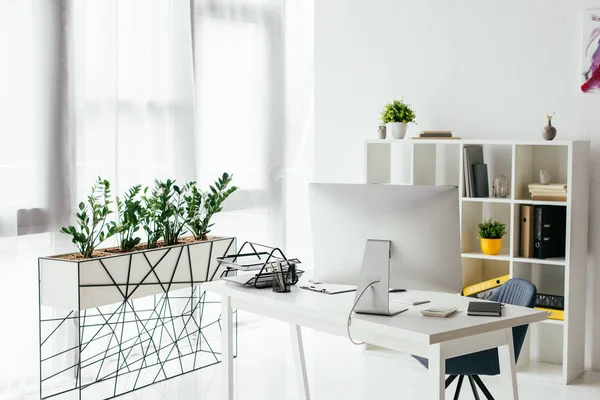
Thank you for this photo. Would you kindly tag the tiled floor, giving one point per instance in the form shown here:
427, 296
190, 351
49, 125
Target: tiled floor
336, 369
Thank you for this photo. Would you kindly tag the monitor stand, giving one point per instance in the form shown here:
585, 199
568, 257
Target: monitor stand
376, 268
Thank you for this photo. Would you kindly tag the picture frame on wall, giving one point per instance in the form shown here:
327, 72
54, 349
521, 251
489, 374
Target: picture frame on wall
590, 75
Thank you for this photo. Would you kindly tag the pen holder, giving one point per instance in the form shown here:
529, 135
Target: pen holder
280, 282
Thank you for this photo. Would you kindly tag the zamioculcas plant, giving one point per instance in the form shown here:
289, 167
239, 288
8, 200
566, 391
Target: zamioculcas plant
129, 217
92, 226
167, 206
201, 207
149, 222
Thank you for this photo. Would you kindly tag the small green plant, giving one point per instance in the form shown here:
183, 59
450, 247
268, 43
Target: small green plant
166, 206
491, 230
201, 207
92, 225
130, 213
397, 111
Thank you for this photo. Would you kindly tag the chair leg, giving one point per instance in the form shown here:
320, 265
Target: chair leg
449, 380
458, 387
483, 388
473, 387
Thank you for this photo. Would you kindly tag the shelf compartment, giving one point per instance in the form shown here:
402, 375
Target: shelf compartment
473, 213
498, 159
476, 270
530, 159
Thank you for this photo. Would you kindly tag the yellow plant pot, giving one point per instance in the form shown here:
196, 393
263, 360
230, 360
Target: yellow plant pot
491, 247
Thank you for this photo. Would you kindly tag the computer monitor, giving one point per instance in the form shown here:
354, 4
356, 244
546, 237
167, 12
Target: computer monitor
421, 222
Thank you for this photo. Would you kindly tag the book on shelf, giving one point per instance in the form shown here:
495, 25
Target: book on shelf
550, 186
473, 155
466, 173
472, 290
550, 231
481, 183
548, 191
549, 198
527, 231
436, 134
557, 315
550, 301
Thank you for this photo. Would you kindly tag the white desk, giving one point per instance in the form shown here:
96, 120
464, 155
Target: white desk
435, 338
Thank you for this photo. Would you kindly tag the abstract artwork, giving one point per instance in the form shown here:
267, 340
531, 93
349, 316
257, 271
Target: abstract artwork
591, 52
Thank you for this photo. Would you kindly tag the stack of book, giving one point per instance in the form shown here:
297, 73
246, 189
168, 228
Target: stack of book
475, 172
436, 135
551, 192
553, 305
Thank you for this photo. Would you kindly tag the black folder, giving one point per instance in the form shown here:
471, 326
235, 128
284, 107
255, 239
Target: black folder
550, 231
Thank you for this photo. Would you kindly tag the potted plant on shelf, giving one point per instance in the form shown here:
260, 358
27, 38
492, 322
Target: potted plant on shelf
490, 235
169, 259
396, 115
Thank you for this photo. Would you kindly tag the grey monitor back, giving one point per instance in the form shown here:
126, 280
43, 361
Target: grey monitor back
422, 223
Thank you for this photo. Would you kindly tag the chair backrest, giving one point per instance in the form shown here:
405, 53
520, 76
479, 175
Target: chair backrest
517, 292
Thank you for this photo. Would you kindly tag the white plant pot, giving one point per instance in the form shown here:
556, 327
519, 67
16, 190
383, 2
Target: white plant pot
396, 130
84, 284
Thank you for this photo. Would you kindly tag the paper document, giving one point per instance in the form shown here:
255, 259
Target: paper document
329, 288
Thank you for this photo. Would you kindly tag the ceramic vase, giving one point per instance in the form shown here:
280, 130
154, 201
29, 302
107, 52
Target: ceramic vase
381, 132
397, 130
549, 132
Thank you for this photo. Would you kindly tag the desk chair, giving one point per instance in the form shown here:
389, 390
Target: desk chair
517, 292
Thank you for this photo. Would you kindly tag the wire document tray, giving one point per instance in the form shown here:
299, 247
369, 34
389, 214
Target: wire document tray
261, 259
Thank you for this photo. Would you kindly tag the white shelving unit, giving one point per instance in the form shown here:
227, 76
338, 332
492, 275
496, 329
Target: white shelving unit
554, 350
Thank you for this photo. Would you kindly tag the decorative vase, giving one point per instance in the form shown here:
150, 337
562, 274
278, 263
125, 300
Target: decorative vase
381, 132
544, 177
397, 130
491, 247
549, 132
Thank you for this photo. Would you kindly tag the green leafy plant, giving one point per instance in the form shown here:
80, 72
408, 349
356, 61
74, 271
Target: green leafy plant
201, 207
130, 214
491, 230
149, 222
92, 225
166, 207
397, 111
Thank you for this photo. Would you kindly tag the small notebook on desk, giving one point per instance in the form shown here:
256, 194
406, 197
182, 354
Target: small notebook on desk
484, 309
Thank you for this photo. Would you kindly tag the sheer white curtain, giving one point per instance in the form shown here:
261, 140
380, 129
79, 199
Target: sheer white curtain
134, 90
241, 110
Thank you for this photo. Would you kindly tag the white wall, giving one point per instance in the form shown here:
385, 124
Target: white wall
484, 69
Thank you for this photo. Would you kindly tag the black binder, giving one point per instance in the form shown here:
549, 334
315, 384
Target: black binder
550, 301
550, 230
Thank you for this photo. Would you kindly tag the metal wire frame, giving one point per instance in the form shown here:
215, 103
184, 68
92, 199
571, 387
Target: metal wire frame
159, 330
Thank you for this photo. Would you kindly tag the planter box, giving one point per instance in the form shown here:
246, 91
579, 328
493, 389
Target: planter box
85, 284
